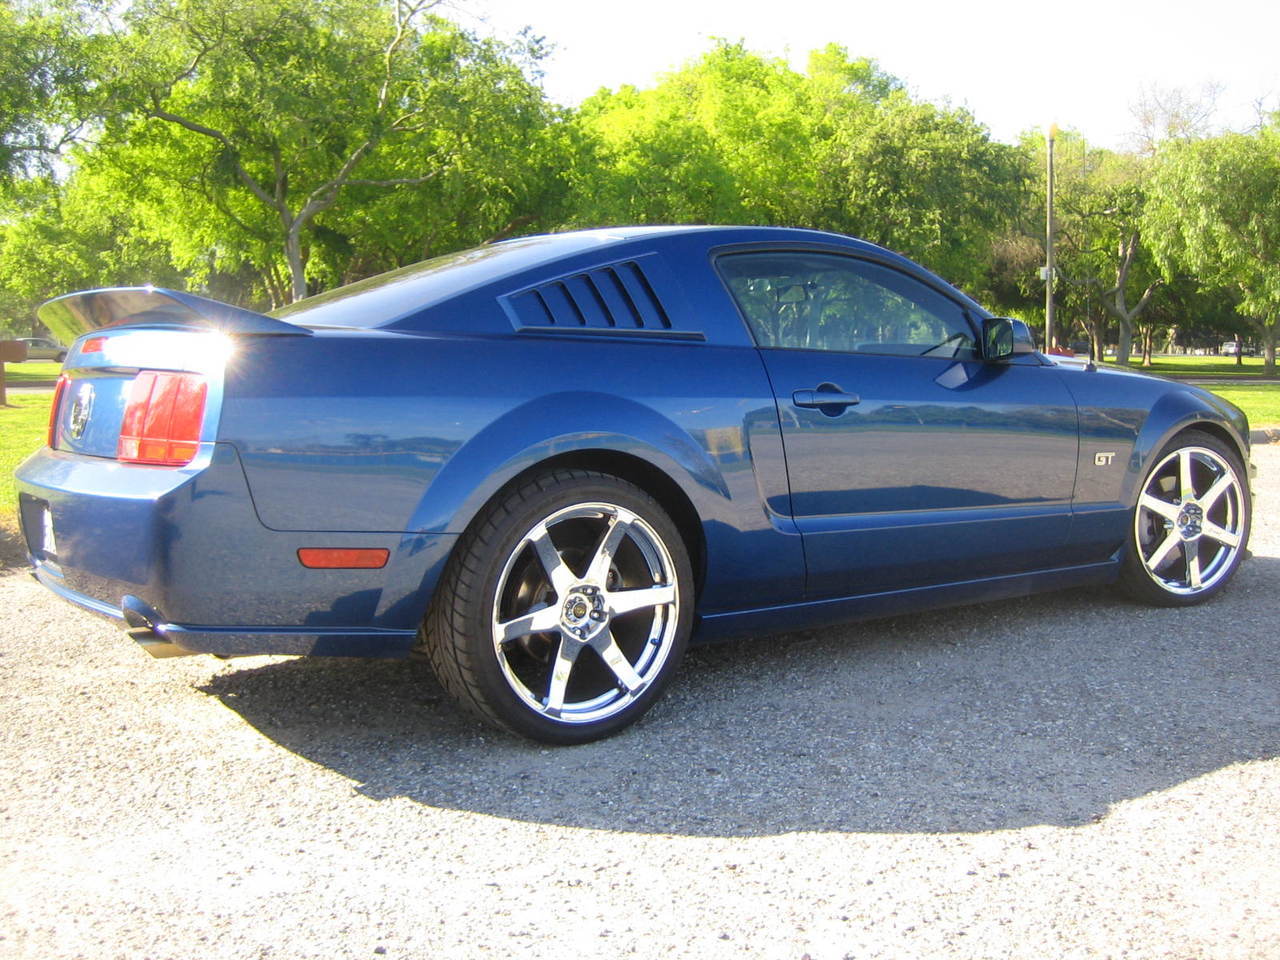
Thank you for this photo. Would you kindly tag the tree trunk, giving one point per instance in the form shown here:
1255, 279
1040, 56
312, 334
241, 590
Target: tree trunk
1126, 341
1239, 351
297, 266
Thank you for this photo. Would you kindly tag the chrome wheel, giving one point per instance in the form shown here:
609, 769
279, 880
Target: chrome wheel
1191, 521
586, 613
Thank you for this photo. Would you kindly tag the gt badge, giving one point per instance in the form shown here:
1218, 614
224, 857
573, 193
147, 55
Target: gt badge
1103, 459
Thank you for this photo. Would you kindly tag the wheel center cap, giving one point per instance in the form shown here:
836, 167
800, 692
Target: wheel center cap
1189, 520
583, 612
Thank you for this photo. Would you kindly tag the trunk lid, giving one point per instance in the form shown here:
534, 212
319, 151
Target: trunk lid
172, 341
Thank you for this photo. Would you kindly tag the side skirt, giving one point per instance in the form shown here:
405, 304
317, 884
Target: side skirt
818, 613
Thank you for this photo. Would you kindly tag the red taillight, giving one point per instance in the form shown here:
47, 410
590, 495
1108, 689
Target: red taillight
162, 419
58, 391
92, 345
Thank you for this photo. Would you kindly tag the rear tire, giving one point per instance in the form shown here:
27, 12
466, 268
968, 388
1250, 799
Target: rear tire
564, 609
1190, 525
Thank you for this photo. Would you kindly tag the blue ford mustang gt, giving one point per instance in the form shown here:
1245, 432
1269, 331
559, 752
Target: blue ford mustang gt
546, 463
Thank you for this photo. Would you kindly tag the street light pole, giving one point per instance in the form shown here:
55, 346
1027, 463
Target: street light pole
1050, 335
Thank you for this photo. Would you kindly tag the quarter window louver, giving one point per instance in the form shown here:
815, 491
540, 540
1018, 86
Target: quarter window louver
618, 296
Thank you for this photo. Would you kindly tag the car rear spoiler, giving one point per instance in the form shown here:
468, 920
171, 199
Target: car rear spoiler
76, 314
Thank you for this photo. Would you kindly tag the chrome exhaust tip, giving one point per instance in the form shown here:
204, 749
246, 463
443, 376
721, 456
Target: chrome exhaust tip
143, 627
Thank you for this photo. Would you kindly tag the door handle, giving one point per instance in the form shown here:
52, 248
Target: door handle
827, 395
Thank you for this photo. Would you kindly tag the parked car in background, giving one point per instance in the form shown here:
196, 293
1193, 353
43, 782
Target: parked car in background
39, 348
547, 463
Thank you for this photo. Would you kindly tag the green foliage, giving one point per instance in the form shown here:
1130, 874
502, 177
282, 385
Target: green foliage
1216, 215
738, 138
320, 138
709, 144
44, 80
60, 237
1105, 271
925, 180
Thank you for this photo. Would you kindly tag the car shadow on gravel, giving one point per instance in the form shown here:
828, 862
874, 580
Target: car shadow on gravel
13, 552
1042, 710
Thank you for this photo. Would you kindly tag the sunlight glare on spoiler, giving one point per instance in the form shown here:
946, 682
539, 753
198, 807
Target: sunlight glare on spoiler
184, 350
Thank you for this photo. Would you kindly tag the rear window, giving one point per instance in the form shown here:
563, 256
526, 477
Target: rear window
388, 297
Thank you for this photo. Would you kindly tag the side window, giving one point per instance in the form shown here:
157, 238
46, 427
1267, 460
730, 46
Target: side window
816, 301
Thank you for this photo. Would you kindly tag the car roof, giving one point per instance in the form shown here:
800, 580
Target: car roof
388, 297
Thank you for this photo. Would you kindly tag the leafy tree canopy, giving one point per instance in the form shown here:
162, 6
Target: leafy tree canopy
271, 132
739, 138
1215, 214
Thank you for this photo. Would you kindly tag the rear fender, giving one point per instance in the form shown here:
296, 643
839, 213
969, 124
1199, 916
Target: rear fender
554, 425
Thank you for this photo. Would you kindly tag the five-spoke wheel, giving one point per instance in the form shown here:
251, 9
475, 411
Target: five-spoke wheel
1191, 522
565, 608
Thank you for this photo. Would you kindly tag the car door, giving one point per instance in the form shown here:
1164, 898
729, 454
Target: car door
910, 460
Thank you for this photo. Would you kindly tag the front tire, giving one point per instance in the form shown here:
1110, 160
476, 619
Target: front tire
1190, 525
564, 609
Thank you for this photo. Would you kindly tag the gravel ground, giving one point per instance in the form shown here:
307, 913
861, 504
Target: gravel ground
1060, 776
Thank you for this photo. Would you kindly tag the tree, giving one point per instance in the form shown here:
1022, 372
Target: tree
56, 237
44, 57
1172, 114
735, 137
1099, 199
726, 139
1215, 213
925, 180
264, 118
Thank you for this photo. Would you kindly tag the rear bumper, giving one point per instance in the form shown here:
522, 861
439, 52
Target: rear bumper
179, 559
160, 638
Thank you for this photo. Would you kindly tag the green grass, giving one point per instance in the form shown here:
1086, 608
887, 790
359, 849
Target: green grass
32, 371
23, 424
1259, 401
1200, 366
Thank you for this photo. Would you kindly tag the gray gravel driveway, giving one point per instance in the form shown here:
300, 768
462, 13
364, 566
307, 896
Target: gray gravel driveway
1060, 776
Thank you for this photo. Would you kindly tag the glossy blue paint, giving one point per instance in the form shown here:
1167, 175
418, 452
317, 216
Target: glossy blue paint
408, 401
1130, 416
938, 459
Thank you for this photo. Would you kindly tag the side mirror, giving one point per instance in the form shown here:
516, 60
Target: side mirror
1004, 337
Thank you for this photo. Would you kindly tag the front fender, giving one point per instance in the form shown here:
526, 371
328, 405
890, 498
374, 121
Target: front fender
1174, 412
555, 424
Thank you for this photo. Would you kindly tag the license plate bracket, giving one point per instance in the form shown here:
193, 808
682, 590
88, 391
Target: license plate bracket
48, 542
